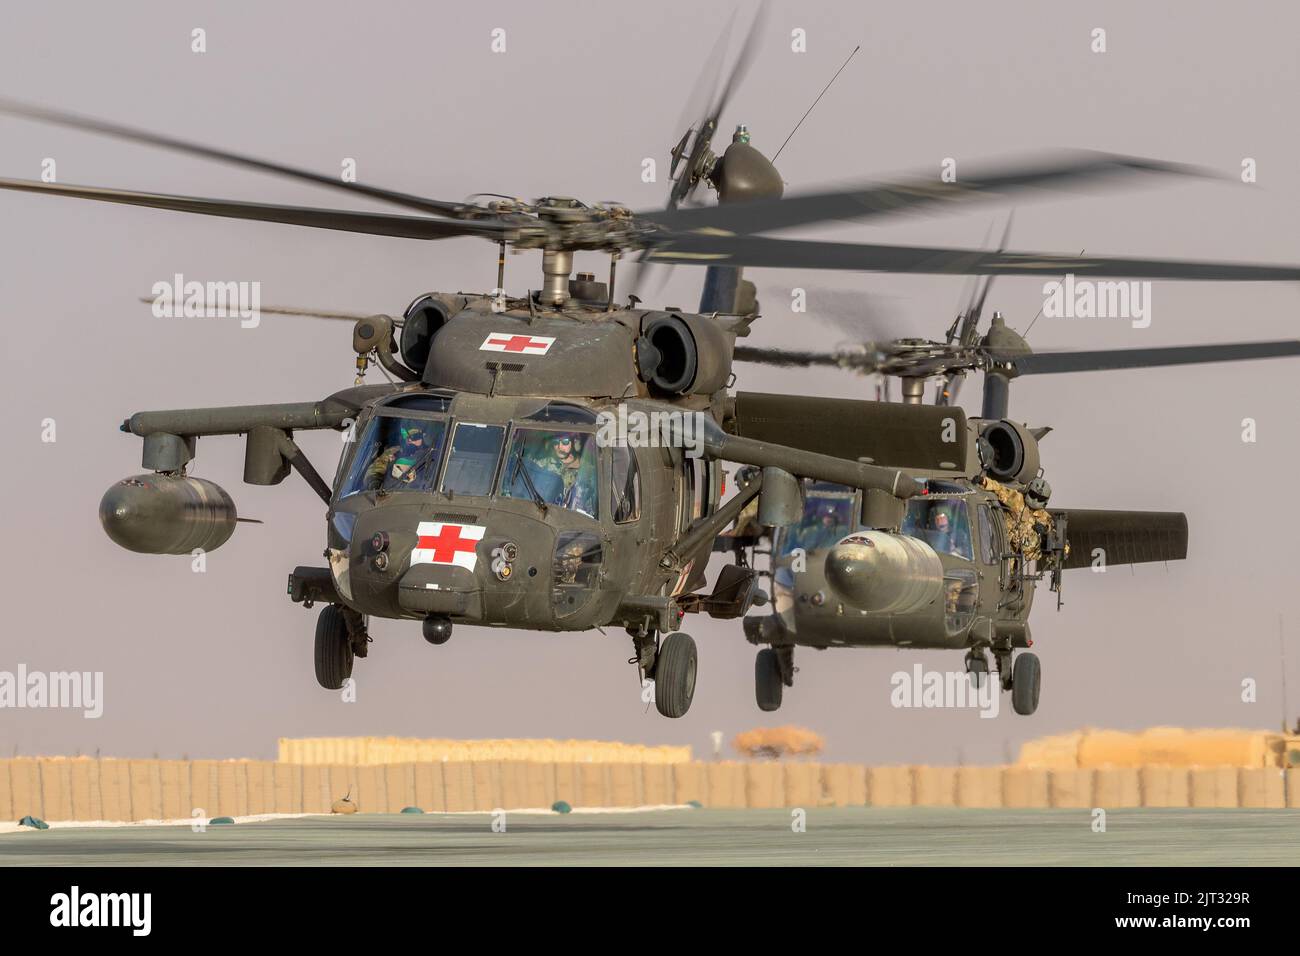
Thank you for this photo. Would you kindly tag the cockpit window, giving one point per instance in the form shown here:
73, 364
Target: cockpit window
826, 519
396, 454
475, 450
942, 523
554, 468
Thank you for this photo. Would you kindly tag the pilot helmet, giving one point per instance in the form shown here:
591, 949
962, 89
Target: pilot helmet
1037, 492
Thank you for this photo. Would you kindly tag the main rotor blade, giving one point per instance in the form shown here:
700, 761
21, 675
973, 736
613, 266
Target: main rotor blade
787, 358
1046, 363
304, 313
343, 220
872, 200
860, 257
742, 64
89, 124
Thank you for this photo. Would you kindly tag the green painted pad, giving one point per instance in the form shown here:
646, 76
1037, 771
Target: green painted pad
36, 823
222, 821
411, 810
695, 803
560, 806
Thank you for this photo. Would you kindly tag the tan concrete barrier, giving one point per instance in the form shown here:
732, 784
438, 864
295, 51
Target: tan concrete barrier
1214, 787
82, 788
1024, 787
658, 783
889, 786
979, 786
1117, 787
935, 786
1071, 788
803, 785
844, 785
1160, 747
1264, 787
1166, 786
726, 784
689, 783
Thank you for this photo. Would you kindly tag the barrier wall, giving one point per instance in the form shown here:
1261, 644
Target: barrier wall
1162, 747
86, 788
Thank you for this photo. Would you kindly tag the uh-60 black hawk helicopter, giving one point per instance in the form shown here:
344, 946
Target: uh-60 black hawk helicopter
955, 566
477, 491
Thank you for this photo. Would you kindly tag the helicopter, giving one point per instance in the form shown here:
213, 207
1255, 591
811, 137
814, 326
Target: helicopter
956, 566
479, 487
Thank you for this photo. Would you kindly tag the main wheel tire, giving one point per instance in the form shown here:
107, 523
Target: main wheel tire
675, 675
978, 668
1026, 682
333, 648
768, 685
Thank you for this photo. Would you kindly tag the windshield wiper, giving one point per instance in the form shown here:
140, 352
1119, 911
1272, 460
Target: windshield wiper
414, 468
521, 471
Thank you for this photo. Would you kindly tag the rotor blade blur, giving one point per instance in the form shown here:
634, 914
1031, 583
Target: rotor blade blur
305, 313
977, 308
764, 252
857, 315
89, 124
742, 64
872, 200
795, 359
1045, 363
342, 220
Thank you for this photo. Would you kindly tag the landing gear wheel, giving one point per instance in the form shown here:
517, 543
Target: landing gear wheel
333, 648
768, 685
1026, 681
978, 667
675, 675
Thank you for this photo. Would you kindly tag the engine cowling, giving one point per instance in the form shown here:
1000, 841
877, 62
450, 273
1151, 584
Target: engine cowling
165, 514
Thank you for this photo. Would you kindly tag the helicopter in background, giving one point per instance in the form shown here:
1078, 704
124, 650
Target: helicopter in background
956, 566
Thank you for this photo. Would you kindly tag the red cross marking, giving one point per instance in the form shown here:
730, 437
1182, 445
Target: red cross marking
515, 343
446, 543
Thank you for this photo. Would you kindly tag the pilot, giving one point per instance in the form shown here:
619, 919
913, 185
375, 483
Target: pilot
941, 537
824, 533
396, 465
567, 461
569, 563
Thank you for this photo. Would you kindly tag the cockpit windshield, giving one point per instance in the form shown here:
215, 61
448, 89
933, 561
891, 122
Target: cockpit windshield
396, 454
552, 467
942, 523
827, 517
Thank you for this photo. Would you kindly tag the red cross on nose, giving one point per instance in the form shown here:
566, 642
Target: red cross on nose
446, 543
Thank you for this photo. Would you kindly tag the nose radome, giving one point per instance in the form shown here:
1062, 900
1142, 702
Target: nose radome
884, 573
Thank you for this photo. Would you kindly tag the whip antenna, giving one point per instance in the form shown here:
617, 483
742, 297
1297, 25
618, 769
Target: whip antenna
818, 100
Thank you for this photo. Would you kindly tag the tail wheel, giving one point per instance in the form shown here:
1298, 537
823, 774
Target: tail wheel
768, 685
1026, 681
675, 675
333, 648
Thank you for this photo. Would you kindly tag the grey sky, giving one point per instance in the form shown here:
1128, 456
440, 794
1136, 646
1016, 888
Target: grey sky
219, 664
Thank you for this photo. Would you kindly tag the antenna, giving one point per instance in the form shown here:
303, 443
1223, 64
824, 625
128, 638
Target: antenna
818, 100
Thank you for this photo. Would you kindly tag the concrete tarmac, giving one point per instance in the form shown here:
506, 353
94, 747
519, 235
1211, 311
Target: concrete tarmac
834, 836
